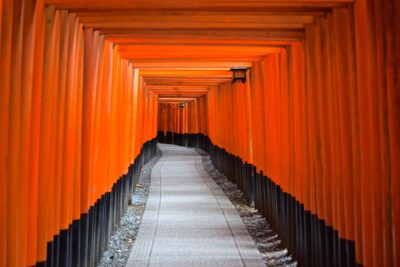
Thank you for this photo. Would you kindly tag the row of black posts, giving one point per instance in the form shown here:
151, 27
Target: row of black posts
83, 243
309, 240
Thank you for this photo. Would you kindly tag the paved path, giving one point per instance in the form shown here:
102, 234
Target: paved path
188, 220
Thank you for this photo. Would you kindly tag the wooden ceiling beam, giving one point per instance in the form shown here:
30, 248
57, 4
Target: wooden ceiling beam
176, 100
196, 43
206, 34
183, 82
162, 98
180, 91
193, 21
204, 84
104, 26
190, 64
205, 53
204, 13
181, 95
184, 79
193, 4
179, 81
182, 60
133, 40
169, 87
185, 73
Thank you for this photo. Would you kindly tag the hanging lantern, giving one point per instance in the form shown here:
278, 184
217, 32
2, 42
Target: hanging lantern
239, 74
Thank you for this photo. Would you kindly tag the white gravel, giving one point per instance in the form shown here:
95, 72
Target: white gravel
266, 239
120, 244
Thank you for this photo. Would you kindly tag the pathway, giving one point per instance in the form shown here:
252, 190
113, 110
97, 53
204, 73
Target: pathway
188, 220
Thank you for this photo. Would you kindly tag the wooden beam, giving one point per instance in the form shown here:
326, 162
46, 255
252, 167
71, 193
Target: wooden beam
216, 12
189, 64
196, 20
173, 87
183, 83
195, 52
160, 99
185, 73
133, 40
182, 95
207, 34
193, 4
178, 90
196, 43
173, 94
104, 26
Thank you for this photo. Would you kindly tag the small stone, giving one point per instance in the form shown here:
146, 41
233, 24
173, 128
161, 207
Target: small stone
120, 244
266, 239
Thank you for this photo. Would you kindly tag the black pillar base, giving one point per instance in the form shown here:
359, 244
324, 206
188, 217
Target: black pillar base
308, 238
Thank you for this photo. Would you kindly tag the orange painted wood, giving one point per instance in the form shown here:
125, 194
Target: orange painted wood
42, 119
15, 208
323, 125
319, 114
38, 27
5, 64
154, 4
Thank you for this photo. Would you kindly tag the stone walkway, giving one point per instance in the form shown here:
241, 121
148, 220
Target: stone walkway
188, 220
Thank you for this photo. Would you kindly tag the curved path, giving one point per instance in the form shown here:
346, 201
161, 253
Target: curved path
188, 220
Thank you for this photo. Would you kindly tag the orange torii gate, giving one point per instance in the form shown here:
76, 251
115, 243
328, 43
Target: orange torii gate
85, 86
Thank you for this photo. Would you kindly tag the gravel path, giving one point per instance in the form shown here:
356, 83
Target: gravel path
268, 242
120, 244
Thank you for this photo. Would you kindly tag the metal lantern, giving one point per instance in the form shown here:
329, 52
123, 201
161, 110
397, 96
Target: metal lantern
239, 74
